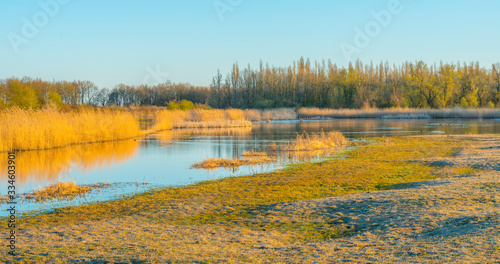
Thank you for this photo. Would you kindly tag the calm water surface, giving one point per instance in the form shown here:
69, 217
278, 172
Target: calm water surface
165, 159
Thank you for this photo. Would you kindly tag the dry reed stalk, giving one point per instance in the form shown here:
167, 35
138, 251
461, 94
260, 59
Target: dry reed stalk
59, 190
308, 142
252, 158
213, 124
50, 128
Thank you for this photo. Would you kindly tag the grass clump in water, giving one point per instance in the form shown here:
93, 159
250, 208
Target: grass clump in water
63, 190
308, 142
251, 158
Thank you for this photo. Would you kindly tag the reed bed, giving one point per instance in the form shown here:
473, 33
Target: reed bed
309, 142
213, 124
200, 118
50, 128
400, 113
165, 119
270, 114
231, 131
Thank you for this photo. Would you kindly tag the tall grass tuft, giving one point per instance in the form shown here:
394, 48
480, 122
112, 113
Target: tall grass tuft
308, 142
215, 163
60, 190
50, 128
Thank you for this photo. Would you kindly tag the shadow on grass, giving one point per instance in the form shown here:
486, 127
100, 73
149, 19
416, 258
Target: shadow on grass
459, 226
411, 185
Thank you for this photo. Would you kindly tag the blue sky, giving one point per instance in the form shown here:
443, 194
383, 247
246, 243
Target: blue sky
110, 42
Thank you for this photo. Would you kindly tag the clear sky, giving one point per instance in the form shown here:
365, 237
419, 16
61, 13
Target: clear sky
134, 42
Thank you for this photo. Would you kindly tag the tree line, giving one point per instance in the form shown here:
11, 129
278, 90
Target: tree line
415, 85
302, 84
35, 93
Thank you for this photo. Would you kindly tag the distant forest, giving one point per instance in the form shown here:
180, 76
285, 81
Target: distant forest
415, 85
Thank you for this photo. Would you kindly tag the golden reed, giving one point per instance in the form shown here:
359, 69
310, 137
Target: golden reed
199, 118
49, 128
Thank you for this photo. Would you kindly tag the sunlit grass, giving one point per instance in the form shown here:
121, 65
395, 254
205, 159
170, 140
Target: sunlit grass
270, 114
216, 118
63, 190
50, 128
308, 142
213, 124
214, 163
59, 190
199, 118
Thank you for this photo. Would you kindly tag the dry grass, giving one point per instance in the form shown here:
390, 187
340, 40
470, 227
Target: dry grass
213, 124
216, 118
398, 113
63, 190
250, 159
308, 142
199, 118
59, 190
271, 114
164, 119
231, 131
50, 128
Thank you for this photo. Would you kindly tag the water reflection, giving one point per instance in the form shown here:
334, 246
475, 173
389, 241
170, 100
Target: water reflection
356, 128
37, 168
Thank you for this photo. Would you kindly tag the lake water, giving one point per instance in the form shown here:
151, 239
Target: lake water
165, 159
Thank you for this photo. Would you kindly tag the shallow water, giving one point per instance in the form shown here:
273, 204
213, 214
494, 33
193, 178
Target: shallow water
165, 159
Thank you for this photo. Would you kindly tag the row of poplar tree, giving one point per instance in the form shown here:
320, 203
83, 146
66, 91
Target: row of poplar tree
416, 85
411, 84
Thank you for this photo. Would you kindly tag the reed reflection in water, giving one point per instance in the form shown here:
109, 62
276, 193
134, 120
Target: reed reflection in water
38, 168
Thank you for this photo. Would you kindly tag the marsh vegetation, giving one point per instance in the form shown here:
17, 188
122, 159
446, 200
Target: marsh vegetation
278, 215
303, 142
